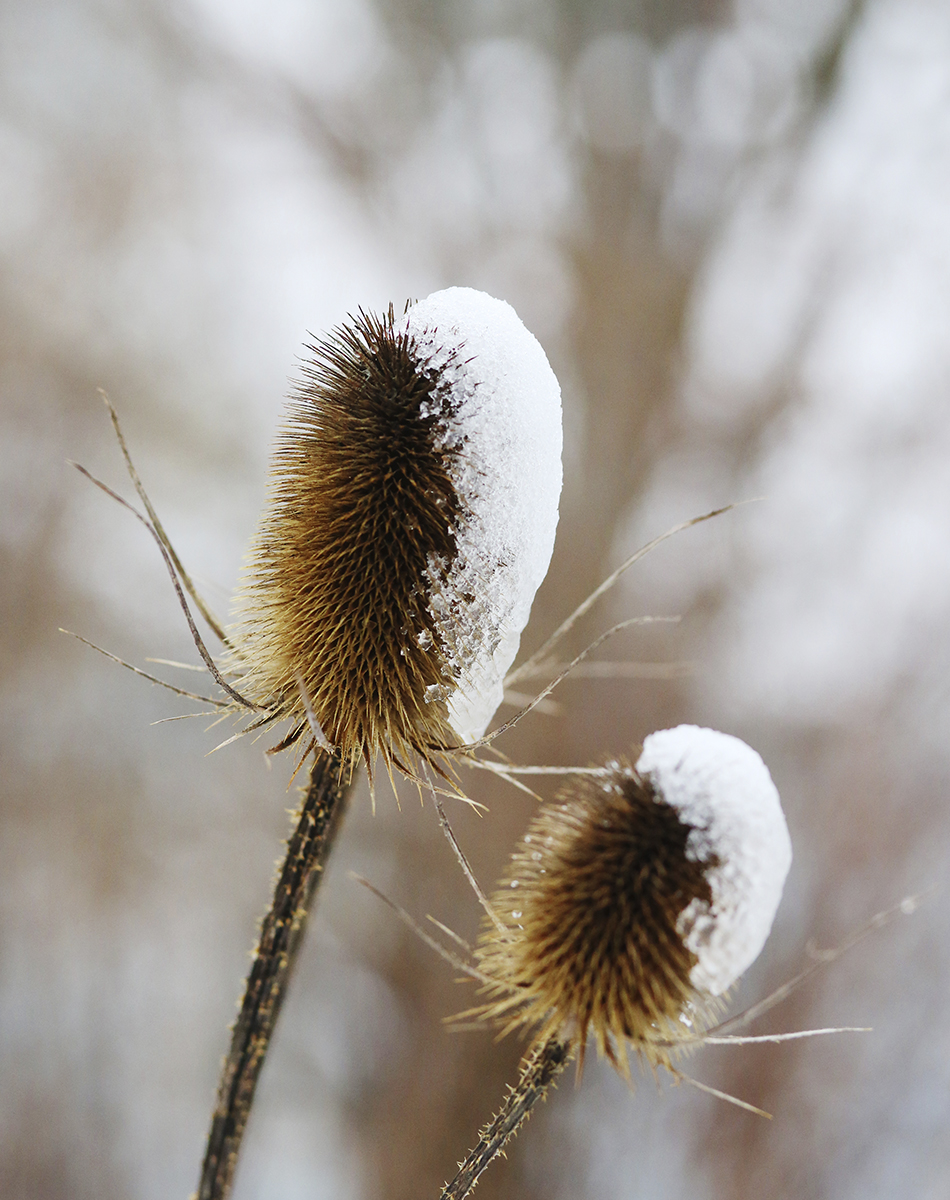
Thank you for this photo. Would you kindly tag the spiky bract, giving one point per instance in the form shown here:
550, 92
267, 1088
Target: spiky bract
591, 906
362, 511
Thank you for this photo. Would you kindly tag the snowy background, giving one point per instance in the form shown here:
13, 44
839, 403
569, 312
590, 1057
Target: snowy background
729, 226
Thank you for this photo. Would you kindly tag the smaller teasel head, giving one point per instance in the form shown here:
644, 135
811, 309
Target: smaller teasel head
638, 896
411, 518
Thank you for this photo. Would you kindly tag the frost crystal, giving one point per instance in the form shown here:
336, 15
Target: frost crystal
722, 789
498, 406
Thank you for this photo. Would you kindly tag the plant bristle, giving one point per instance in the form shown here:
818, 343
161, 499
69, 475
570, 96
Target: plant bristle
591, 905
361, 508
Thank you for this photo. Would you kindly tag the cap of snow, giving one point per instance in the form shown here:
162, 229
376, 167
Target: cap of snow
722, 789
499, 409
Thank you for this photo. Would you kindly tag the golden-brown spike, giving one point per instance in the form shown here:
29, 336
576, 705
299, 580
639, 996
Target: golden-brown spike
590, 910
334, 605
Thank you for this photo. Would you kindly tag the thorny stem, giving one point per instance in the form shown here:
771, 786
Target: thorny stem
280, 938
538, 1073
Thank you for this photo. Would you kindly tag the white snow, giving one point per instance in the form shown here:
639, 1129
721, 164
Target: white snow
500, 409
723, 789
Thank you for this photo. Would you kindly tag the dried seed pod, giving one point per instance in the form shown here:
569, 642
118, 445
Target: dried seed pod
411, 519
639, 896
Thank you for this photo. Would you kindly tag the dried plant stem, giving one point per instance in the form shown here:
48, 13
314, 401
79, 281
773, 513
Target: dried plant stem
280, 938
540, 1069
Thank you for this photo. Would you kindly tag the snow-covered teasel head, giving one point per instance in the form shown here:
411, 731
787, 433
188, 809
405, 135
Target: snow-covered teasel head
411, 518
638, 896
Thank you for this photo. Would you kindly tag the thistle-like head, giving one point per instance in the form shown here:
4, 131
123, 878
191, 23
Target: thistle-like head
639, 896
411, 518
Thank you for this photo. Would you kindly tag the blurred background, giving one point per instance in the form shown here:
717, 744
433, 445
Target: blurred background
729, 226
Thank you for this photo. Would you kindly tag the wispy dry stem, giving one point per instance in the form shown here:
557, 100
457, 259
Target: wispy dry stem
214, 624
527, 668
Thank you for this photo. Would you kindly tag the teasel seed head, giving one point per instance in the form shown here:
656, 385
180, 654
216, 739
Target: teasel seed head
411, 518
638, 897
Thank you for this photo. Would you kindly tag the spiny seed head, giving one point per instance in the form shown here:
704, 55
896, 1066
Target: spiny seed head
637, 897
411, 518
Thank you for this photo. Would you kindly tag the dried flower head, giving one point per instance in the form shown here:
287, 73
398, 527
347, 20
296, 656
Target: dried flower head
411, 518
638, 897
